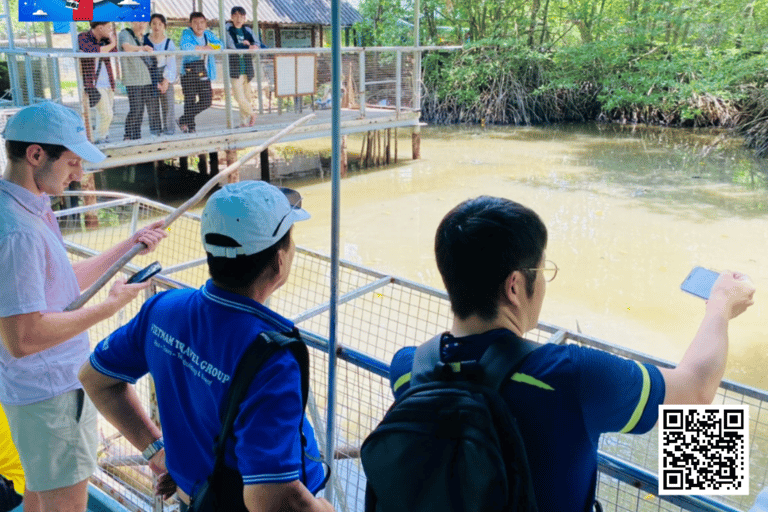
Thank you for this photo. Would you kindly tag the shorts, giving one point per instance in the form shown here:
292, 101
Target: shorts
56, 439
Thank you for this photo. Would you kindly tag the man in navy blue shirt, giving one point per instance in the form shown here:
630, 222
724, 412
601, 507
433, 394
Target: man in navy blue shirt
491, 255
191, 341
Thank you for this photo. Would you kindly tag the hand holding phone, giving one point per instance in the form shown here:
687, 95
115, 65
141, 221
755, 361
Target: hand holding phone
699, 282
145, 273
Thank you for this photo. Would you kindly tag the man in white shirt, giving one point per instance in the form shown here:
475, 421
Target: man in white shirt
52, 422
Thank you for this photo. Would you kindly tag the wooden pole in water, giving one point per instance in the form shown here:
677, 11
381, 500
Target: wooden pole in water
175, 214
395, 145
416, 142
344, 161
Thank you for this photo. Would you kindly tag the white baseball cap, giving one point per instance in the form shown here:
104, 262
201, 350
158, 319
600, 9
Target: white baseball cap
255, 214
51, 123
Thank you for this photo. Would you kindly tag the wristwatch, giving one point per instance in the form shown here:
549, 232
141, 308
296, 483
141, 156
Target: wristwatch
152, 449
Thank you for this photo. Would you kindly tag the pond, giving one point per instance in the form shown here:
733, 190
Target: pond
629, 210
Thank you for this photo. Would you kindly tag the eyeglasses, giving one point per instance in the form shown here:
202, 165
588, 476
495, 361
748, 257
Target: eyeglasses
549, 270
294, 198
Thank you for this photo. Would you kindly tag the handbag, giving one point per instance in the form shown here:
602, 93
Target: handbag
94, 96
223, 489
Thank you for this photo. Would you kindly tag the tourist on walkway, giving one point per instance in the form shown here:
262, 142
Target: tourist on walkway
196, 71
138, 82
167, 71
241, 66
98, 80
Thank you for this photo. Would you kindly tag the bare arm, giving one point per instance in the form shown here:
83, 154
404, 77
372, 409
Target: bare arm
89, 270
289, 497
30, 333
696, 379
118, 402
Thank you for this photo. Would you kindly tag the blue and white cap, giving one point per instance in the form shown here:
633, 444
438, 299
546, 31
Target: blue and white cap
51, 123
255, 214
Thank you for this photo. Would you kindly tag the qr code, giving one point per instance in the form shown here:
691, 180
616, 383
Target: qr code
703, 449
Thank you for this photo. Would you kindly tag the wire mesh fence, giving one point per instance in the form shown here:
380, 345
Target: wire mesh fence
377, 315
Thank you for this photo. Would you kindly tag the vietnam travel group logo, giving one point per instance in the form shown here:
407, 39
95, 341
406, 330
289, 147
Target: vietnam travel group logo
84, 10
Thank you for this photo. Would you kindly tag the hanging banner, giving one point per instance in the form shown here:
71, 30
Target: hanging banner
84, 10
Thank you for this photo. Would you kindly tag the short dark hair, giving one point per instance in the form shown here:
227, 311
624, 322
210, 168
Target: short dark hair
160, 17
237, 9
478, 244
95, 24
17, 150
196, 14
242, 271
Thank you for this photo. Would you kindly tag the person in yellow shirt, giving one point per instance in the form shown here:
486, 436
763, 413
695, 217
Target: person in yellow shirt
11, 473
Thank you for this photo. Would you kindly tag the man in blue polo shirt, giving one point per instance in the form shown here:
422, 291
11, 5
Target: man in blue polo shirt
191, 342
491, 255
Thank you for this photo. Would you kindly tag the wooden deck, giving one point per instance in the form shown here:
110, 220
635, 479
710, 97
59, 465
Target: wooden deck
210, 136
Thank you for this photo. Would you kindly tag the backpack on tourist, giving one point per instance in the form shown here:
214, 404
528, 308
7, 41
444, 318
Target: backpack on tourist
450, 443
223, 490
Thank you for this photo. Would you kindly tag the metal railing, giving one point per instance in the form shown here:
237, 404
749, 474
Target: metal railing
377, 314
374, 77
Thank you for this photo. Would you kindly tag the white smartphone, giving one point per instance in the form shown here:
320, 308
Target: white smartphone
699, 282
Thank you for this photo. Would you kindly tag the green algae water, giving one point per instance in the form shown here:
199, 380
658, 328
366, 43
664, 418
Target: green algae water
629, 210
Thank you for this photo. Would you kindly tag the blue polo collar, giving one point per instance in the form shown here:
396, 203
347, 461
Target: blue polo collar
241, 303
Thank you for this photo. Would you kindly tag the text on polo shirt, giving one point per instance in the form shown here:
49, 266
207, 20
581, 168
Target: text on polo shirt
175, 348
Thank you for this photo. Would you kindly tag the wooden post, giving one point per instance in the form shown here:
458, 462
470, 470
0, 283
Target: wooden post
231, 157
344, 161
264, 164
389, 140
395, 145
369, 149
416, 142
202, 164
91, 219
214, 159
156, 176
362, 152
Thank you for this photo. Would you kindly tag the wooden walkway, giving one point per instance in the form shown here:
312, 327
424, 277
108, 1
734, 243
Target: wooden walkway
212, 134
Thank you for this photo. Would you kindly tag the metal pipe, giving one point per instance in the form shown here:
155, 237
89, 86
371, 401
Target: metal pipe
335, 205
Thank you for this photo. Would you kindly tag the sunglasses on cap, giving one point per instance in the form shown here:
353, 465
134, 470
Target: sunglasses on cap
294, 198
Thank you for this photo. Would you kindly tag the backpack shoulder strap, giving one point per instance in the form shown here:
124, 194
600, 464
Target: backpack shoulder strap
293, 342
250, 363
503, 358
427, 365
167, 42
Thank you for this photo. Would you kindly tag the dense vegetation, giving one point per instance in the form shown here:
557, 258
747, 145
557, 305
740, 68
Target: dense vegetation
667, 62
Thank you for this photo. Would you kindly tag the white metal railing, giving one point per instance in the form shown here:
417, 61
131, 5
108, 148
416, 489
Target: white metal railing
378, 314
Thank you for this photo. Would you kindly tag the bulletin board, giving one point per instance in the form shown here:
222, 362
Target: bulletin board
295, 75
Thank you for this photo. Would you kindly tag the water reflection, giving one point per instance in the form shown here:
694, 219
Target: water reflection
630, 212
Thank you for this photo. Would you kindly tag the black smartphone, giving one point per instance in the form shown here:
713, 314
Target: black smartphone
699, 282
145, 273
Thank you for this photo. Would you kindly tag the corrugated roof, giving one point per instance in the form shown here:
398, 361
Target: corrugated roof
284, 12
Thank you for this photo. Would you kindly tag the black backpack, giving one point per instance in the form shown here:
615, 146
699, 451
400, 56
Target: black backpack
450, 443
